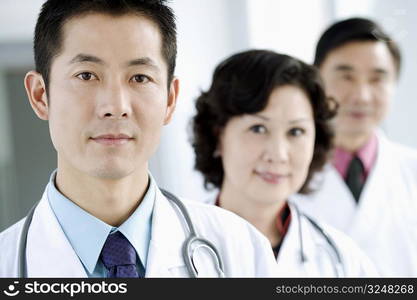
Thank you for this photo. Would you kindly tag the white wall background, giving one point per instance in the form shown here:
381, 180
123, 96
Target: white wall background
210, 30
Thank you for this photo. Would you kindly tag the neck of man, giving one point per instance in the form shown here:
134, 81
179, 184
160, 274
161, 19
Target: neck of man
260, 214
352, 142
110, 200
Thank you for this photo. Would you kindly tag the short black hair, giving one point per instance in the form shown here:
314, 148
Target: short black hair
351, 30
242, 85
55, 13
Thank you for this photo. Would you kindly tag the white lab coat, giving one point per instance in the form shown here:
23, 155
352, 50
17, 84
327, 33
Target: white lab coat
320, 256
384, 223
245, 252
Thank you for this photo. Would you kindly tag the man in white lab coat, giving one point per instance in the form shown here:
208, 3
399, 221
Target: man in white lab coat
104, 82
369, 190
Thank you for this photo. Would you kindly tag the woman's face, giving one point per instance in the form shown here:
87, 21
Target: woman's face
266, 155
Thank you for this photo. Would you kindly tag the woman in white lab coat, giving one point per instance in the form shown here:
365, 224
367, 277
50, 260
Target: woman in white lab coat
260, 133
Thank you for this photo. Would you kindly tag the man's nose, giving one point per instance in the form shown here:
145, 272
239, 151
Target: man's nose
362, 93
114, 103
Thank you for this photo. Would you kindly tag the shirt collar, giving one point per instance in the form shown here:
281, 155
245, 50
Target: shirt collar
283, 219
367, 154
87, 234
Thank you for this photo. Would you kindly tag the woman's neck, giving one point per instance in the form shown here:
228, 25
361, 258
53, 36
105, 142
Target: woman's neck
259, 213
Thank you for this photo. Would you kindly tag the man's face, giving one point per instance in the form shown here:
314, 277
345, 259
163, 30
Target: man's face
108, 97
361, 77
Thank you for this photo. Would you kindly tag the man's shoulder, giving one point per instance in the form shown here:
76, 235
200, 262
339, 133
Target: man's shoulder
354, 260
213, 214
406, 156
405, 152
249, 252
11, 232
9, 245
226, 225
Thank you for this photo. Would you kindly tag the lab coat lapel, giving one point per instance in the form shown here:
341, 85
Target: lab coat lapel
49, 253
167, 238
373, 193
289, 257
378, 199
332, 199
289, 254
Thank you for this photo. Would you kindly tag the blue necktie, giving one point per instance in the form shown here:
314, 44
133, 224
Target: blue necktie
119, 256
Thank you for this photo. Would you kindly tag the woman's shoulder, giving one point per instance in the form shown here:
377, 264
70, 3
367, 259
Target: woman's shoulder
355, 262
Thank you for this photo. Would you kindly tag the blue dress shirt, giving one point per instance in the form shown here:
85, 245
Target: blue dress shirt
87, 233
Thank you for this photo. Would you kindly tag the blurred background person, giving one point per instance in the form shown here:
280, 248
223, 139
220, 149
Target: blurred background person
260, 133
369, 190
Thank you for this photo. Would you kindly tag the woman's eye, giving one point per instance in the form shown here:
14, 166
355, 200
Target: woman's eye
140, 78
296, 131
258, 129
347, 77
86, 76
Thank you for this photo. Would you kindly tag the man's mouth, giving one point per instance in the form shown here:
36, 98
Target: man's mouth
112, 139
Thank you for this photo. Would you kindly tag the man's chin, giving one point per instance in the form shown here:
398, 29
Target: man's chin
111, 173
356, 131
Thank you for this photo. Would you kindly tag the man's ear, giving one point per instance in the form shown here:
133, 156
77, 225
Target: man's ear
36, 91
172, 99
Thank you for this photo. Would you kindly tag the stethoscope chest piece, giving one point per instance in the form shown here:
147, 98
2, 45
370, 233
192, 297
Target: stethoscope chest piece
202, 258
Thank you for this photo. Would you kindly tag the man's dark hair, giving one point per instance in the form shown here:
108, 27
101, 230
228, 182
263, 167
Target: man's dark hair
55, 13
352, 30
242, 85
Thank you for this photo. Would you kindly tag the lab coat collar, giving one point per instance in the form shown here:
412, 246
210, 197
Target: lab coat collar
290, 252
167, 239
49, 253
47, 244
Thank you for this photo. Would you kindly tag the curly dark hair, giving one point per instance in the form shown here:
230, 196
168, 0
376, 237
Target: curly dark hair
241, 85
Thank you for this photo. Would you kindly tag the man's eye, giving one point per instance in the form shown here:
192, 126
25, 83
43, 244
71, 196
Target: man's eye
86, 76
258, 129
140, 78
296, 131
376, 80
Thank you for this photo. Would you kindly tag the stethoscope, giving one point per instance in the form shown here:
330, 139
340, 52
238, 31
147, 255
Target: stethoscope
192, 243
335, 258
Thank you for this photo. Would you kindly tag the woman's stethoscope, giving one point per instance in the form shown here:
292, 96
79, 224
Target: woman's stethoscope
336, 259
191, 244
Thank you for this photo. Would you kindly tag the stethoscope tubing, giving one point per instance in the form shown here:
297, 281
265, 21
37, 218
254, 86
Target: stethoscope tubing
187, 250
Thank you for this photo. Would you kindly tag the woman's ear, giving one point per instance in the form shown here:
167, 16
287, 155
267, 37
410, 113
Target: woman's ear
218, 151
36, 91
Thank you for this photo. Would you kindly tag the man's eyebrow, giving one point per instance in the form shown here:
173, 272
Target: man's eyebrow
79, 58
380, 71
347, 68
142, 61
